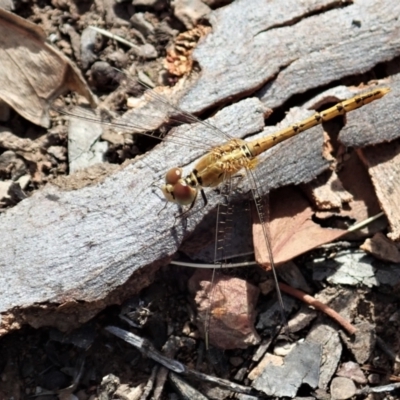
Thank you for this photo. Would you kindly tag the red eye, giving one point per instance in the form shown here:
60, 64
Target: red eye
173, 175
176, 189
183, 193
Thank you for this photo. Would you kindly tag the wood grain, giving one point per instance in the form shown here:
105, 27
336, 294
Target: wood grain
92, 244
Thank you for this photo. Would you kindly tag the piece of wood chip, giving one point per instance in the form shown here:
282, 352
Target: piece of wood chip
383, 162
382, 248
331, 41
300, 366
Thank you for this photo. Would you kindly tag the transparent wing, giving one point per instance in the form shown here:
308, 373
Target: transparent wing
181, 116
226, 309
262, 215
153, 110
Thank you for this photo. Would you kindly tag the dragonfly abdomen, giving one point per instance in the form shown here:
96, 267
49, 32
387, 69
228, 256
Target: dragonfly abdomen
258, 146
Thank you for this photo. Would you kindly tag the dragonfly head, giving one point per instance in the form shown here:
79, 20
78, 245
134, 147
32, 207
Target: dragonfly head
176, 189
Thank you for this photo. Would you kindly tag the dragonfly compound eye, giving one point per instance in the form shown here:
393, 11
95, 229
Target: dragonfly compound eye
173, 175
184, 194
180, 193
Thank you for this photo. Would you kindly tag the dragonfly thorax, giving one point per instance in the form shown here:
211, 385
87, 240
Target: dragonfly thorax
215, 167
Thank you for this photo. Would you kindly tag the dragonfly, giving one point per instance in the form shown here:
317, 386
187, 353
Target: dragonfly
223, 162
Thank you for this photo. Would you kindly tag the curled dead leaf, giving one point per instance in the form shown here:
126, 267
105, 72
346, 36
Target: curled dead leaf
33, 73
292, 230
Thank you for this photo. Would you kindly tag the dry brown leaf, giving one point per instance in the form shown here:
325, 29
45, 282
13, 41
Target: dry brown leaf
33, 73
292, 231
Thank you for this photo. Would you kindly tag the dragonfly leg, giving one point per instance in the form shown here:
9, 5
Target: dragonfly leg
204, 197
184, 214
238, 178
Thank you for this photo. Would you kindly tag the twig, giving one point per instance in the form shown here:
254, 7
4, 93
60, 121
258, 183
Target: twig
364, 223
379, 389
148, 349
213, 266
115, 37
318, 305
170, 348
387, 350
150, 383
353, 228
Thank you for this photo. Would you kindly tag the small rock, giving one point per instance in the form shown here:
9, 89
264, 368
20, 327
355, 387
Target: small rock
88, 42
103, 76
108, 386
284, 349
186, 328
124, 391
149, 3
302, 318
362, 344
267, 286
347, 268
374, 379
118, 58
352, 371
325, 333
58, 152
15, 191
267, 359
272, 317
147, 51
342, 388
24, 181
12, 165
300, 366
82, 395
139, 22
7, 5
189, 12
54, 380
113, 137
230, 321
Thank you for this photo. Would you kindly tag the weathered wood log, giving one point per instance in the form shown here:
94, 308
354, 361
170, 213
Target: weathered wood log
99, 243
287, 48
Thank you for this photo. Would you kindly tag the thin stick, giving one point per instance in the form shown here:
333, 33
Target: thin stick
351, 329
114, 37
364, 223
148, 349
378, 389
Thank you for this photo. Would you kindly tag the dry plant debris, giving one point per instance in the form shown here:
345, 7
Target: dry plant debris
43, 73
